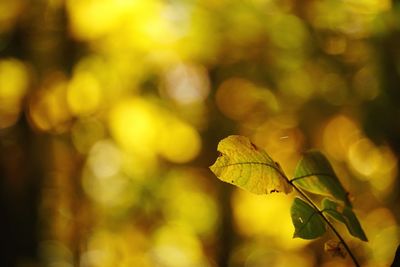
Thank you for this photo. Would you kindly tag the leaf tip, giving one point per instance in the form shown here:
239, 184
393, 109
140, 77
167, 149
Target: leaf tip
211, 167
364, 238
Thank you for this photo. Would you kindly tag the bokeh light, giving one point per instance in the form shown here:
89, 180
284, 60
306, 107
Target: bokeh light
256, 216
14, 81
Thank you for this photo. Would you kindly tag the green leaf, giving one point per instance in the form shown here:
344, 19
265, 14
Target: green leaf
308, 224
243, 164
315, 174
345, 215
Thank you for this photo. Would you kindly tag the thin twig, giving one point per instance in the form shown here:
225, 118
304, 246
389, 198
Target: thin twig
329, 224
301, 193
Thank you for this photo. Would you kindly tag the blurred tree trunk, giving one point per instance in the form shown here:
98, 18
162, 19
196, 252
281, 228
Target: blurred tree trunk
30, 194
20, 184
381, 120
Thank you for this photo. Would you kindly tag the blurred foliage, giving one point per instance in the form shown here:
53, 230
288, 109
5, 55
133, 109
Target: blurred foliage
110, 112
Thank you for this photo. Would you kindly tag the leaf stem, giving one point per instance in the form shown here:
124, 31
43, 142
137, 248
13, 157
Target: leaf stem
302, 194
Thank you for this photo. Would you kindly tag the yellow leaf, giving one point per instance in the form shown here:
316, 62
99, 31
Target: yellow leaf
242, 164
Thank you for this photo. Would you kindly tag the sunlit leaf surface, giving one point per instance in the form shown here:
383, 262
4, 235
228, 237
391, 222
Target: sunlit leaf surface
345, 215
315, 174
242, 164
307, 222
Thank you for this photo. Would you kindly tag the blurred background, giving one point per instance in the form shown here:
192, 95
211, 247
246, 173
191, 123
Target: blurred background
111, 111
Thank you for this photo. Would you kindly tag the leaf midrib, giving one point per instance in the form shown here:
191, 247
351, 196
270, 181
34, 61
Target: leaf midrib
255, 163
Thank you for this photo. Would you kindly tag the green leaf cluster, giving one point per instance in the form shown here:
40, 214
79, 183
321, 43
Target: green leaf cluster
315, 174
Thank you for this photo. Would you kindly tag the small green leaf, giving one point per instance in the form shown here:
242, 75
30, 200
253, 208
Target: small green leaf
243, 164
308, 224
345, 215
315, 174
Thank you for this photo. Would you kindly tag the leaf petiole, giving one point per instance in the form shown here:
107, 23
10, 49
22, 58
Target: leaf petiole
320, 212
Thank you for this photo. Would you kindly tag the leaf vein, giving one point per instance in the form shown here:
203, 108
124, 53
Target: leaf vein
311, 174
255, 163
304, 225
